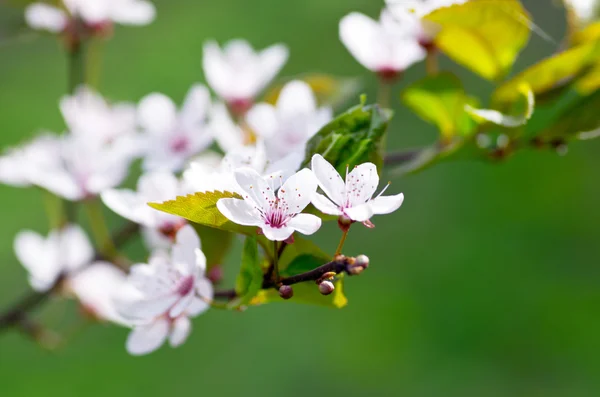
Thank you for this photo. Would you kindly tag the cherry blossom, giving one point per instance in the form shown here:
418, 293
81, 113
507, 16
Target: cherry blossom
272, 206
61, 253
173, 137
19, 165
158, 298
157, 186
287, 126
228, 135
96, 15
385, 47
238, 74
353, 198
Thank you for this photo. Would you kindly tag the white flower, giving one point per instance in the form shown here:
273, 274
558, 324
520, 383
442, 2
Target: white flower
226, 132
19, 165
95, 287
386, 47
278, 215
288, 126
155, 186
92, 12
85, 167
159, 297
62, 252
238, 74
174, 137
354, 197
87, 113
585, 10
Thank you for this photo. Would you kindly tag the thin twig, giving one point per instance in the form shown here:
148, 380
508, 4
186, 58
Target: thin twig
398, 158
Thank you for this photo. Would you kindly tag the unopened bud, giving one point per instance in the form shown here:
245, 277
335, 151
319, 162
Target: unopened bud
326, 276
362, 261
326, 287
286, 291
344, 223
215, 274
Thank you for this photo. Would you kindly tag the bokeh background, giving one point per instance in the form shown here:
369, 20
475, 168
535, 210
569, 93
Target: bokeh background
485, 283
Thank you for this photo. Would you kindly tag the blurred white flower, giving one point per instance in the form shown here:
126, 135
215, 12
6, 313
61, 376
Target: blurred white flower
94, 13
228, 135
386, 47
95, 288
354, 197
62, 252
288, 126
273, 207
18, 165
174, 137
238, 74
158, 298
155, 186
585, 10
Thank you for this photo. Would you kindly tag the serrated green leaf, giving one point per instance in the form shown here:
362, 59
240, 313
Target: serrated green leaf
352, 138
441, 100
250, 278
486, 36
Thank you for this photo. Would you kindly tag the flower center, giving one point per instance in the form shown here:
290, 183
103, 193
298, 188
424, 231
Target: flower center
180, 144
277, 214
185, 286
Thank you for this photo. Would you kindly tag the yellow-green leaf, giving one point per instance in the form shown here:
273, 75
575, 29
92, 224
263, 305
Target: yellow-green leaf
485, 36
526, 106
306, 293
250, 278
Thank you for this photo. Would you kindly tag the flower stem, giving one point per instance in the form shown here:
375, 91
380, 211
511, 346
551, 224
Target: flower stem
55, 210
76, 66
431, 63
275, 263
100, 230
384, 92
338, 251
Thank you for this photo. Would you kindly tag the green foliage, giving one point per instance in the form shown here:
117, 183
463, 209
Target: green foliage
441, 100
307, 293
250, 278
215, 243
485, 36
352, 138
524, 108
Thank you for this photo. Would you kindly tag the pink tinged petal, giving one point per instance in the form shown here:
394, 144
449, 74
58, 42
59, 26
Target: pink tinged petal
133, 12
325, 205
272, 60
45, 17
204, 288
359, 213
197, 306
296, 97
147, 308
329, 179
180, 330
386, 204
297, 190
157, 113
184, 250
361, 183
255, 188
239, 211
182, 304
145, 339
262, 118
277, 234
305, 223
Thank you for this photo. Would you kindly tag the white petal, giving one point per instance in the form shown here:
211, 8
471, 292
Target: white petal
329, 179
239, 211
228, 135
184, 250
298, 189
181, 305
272, 60
359, 213
216, 69
195, 106
262, 118
30, 249
44, 16
200, 262
146, 308
277, 234
75, 247
133, 12
197, 307
386, 204
180, 331
361, 183
157, 113
325, 205
296, 97
147, 338
154, 239
158, 186
59, 182
204, 288
305, 223
363, 38
125, 203
255, 187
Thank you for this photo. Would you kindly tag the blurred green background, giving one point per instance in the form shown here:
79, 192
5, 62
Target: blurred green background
485, 283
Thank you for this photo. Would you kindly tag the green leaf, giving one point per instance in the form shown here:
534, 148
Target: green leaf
526, 106
441, 100
574, 115
352, 138
215, 243
307, 293
553, 73
329, 90
485, 36
249, 280
301, 256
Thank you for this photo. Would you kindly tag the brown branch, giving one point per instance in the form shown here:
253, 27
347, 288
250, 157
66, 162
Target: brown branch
16, 314
399, 158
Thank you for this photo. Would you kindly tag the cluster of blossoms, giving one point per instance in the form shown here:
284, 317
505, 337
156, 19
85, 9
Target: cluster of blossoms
231, 142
